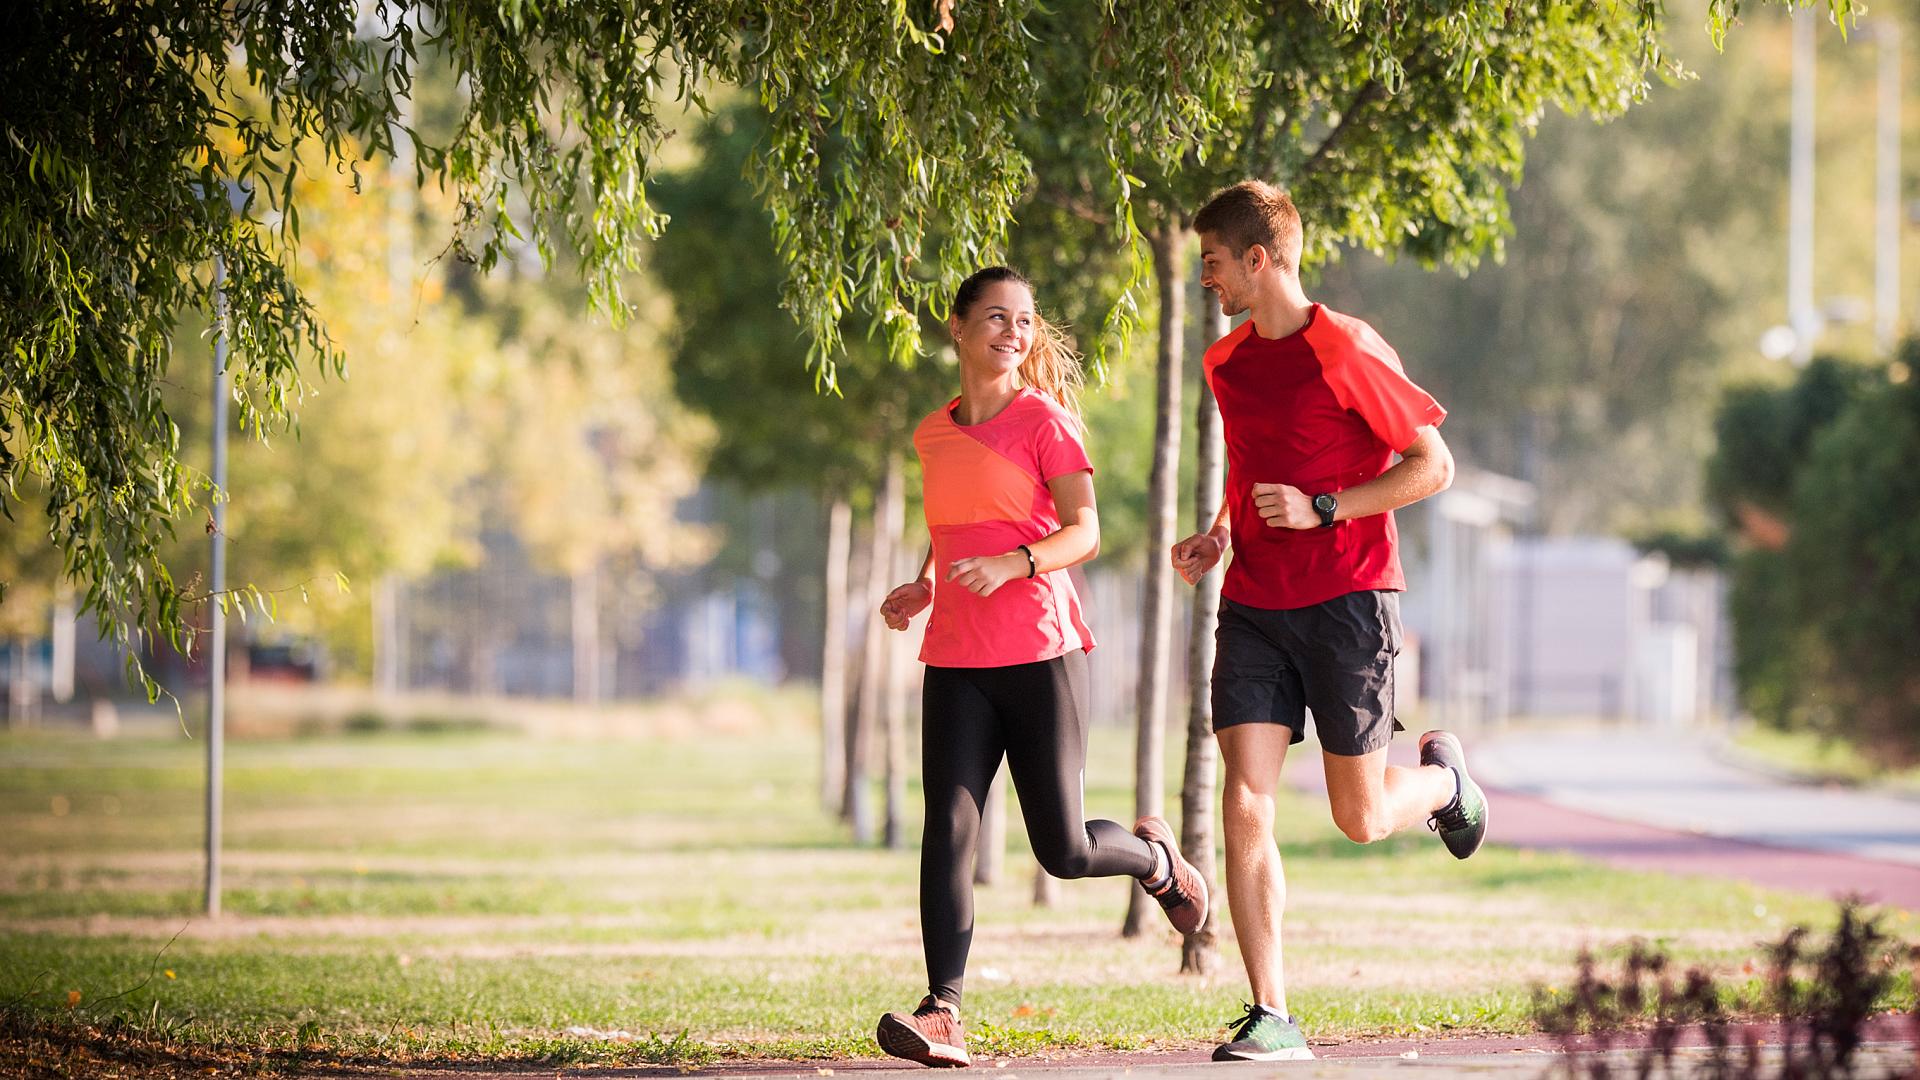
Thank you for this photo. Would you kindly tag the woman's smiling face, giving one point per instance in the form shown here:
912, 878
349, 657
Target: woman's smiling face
996, 333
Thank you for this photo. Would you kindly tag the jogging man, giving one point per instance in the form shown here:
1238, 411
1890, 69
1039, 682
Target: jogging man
1315, 406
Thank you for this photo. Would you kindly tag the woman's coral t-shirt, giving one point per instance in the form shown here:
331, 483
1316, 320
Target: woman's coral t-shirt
985, 490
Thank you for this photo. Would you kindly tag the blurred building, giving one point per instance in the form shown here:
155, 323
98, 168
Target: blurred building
1507, 625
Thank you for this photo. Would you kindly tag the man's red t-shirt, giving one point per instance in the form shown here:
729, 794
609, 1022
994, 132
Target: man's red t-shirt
1323, 409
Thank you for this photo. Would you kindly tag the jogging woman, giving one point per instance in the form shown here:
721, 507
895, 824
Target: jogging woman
1008, 492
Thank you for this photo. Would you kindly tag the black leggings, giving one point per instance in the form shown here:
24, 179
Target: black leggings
1036, 716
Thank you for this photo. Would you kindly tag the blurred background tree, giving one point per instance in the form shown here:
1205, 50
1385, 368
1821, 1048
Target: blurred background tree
1815, 475
466, 404
374, 477
586, 450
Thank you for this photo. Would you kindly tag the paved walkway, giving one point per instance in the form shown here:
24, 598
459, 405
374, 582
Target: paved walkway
1670, 802
1889, 1051
1683, 782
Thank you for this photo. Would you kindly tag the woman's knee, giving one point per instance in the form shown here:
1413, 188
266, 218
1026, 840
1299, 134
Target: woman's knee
1067, 857
951, 836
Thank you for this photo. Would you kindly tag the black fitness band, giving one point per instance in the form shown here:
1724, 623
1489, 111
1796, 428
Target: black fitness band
1031, 565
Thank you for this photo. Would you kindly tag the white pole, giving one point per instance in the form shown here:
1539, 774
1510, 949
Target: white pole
217, 654
1801, 314
389, 632
1886, 263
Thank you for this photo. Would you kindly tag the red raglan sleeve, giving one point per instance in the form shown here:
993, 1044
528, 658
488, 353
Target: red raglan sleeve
1368, 380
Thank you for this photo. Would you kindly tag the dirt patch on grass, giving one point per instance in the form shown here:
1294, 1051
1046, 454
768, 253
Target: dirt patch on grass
340, 927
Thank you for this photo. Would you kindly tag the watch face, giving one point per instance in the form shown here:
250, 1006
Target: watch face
1323, 503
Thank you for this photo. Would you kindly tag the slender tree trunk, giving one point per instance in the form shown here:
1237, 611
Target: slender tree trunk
833, 658
1156, 616
894, 830
386, 634
887, 513
586, 635
1046, 888
861, 625
1200, 953
483, 664
990, 853
20, 689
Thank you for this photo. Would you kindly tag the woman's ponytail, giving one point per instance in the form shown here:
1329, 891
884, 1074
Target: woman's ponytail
1052, 366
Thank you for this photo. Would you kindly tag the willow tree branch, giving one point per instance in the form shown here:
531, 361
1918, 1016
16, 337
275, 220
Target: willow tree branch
1369, 92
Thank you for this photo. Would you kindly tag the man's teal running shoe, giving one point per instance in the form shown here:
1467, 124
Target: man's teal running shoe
1462, 824
1264, 1035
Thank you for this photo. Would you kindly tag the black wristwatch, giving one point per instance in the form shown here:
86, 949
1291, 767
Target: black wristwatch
1325, 505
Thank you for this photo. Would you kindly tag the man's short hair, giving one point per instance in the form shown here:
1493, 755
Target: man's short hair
1254, 212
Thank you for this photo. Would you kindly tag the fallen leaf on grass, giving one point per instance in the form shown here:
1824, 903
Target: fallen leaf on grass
617, 1035
73, 999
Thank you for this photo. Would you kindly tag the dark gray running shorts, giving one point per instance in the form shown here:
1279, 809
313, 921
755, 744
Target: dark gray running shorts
1336, 659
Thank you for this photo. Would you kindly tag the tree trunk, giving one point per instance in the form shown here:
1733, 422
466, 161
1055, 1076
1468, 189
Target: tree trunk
1046, 888
1156, 616
888, 509
1200, 953
860, 625
833, 657
387, 662
586, 636
21, 693
990, 853
894, 704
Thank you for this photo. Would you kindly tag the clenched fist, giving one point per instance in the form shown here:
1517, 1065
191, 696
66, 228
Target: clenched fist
983, 574
903, 603
1197, 554
1284, 506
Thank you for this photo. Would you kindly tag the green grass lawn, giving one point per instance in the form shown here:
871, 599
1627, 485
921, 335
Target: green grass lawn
1823, 758
477, 895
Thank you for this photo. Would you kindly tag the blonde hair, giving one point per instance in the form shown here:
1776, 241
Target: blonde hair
1052, 365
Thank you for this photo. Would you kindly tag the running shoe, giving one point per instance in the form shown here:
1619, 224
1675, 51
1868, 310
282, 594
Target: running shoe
1184, 894
1462, 823
930, 1035
1264, 1035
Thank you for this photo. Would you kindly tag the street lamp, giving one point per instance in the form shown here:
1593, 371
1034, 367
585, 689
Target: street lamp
1805, 319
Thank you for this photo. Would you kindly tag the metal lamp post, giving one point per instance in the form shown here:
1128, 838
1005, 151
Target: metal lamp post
217, 575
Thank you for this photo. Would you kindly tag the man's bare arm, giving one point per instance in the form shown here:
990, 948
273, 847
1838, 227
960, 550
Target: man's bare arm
1425, 468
